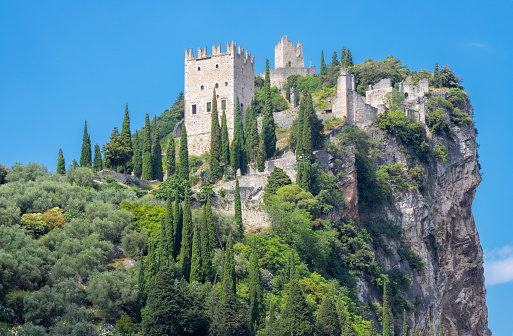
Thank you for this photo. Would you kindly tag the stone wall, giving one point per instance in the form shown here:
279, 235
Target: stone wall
231, 74
374, 96
123, 178
279, 76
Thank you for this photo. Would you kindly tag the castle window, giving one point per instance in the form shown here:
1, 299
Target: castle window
202, 87
217, 85
242, 108
223, 104
225, 83
193, 109
209, 106
199, 68
243, 91
217, 66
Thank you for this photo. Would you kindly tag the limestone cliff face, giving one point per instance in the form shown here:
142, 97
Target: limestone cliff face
439, 227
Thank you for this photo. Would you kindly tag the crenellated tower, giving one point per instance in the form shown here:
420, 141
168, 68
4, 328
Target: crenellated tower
231, 73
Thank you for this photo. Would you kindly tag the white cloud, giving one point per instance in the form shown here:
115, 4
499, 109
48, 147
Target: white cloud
499, 265
476, 45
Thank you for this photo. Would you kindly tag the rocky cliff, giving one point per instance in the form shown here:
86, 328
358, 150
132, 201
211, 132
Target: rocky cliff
439, 227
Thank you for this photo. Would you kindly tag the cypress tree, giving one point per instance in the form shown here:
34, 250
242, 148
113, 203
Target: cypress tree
235, 155
349, 58
97, 162
297, 318
372, 330
178, 227
158, 173
211, 225
238, 211
405, 323
324, 68
431, 330
228, 318
126, 137
187, 236
248, 120
170, 157
137, 158
115, 153
141, 282
196, 267
440, 325
75, 164
387, 315
306, 139
183, 156
436, 76
205, 245
334, 60
225, 141
268, 134
260, 157
238, 134
256, 308
170, 229
296, 136
163, 243
328, 322
216, 172
343, 58
254, 140
146, 164
85, 156
272, 314
61, 164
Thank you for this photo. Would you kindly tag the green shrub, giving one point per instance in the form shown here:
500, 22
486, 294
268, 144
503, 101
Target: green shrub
414, 260
437, 123
441, 152
417, 176
394, 175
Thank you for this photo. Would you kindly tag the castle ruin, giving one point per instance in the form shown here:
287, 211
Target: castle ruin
361, 111
231, 74
288, 61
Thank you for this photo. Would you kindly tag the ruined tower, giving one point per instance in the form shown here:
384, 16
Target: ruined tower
231, 73
287, 55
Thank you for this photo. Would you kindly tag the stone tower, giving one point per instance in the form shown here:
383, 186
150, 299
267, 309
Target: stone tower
231, 74
287, 55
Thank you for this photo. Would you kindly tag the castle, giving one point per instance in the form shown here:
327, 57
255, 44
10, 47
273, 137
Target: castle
231, 74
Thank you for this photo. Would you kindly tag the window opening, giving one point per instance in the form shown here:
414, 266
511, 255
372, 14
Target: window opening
209, 106
202, 87
199, 68
217, 66
223, 104
217, 85
193, 108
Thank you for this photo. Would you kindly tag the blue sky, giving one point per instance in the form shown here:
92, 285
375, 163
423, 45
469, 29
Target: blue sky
62, 62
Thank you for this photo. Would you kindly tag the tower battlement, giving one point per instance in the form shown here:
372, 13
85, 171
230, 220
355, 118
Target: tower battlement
231, 49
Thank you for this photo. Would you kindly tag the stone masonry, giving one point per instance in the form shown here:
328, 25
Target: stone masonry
231, 74
288, 61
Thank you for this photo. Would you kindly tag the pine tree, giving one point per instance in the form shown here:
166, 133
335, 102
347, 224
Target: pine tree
187, 235
147, 173
256, 296
97, 162
238, 211
268, 135
387, 315
178, 227
324, 68
225, 141
126, 137
85, 156
328, 322
216, 171
116, 154
196, 267
137, 158
260, 157
205, 250
334, 60
405, 323
158, 173
349, 58
183, 156
61, 164
170, 157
